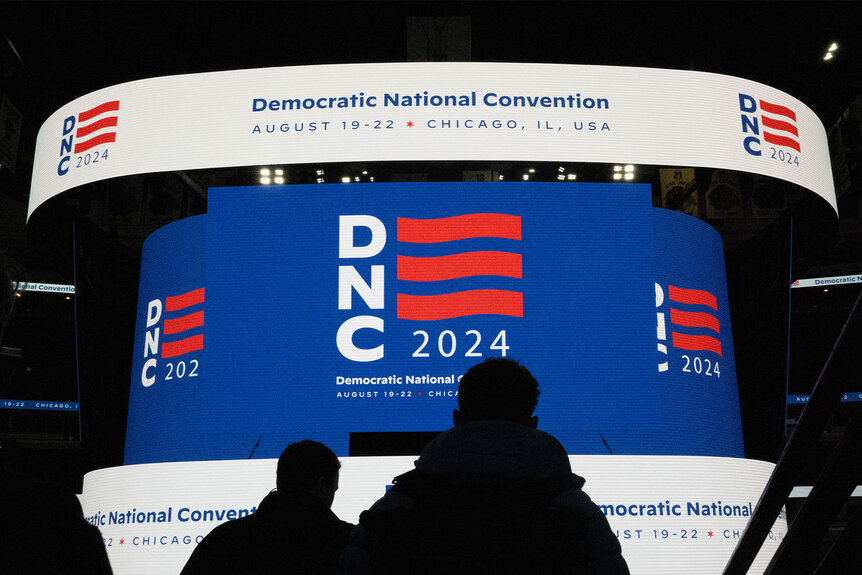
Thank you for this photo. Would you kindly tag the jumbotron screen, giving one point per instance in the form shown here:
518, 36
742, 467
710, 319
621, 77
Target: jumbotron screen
346, 313
333, 311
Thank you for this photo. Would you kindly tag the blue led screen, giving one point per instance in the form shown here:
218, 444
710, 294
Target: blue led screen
315, 311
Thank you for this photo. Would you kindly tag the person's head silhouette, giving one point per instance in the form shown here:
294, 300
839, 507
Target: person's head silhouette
308, 468
498, 388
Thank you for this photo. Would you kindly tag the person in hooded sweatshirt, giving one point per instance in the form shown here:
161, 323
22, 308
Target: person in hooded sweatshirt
293, 530
491, 495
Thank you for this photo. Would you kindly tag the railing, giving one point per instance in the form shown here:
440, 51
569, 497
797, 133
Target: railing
798, 551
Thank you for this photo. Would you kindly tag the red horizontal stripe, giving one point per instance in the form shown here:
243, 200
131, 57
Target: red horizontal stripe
459, 266
776, 109
111, 106
174, 303
774, 124
686, 318
459, 228
95, 141
781, 140
189, 344
179, 324
108, 122
459, 304
692, 296
696, 342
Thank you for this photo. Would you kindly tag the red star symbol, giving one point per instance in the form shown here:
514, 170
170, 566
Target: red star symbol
409, 124
709, 533
122, 541
420, 393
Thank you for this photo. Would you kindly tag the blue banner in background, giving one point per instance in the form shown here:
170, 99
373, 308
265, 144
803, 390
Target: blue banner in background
165, 392
847, 397
329, 309
38, 405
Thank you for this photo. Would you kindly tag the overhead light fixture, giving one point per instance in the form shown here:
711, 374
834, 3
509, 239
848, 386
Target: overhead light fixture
319, 172
629, 168
279, 179
571, 176
561, 169
345, 179
264, 180
629, 176
264, 171
279, 172
561, 177
618, 168
618, 176
500, 177
833, 47
525, 177
320, 180
827, 56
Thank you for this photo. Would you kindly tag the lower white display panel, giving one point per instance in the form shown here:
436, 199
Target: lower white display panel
671, 514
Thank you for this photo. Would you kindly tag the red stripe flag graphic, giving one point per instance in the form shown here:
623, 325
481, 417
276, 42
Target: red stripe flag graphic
101, 130
462, 265
459, 304
782, 132
694, 319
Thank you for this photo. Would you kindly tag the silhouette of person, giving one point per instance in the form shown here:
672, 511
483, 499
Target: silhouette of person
491, 495
43, 530
294, 529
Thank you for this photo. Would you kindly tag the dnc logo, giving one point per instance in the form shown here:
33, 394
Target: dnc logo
694, 328
183, 331
84, 132
427, 270
771, 123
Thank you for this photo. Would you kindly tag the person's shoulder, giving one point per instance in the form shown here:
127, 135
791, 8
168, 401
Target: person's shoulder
343, 525
229, 531
603, 550
393, 499
495, 451
340, 530
575, 498
223, 549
